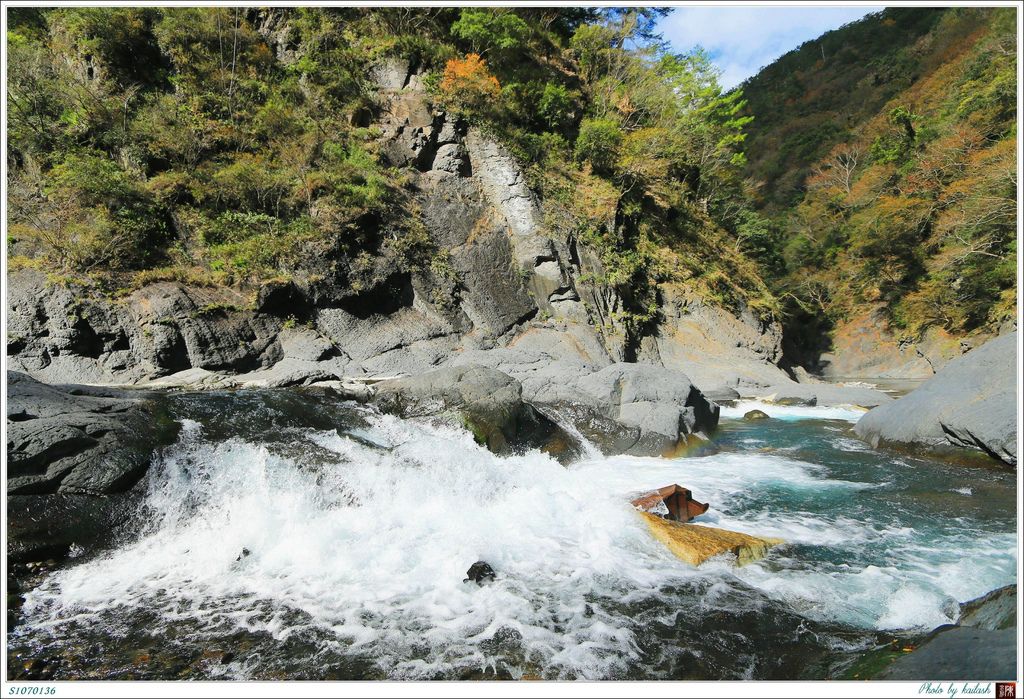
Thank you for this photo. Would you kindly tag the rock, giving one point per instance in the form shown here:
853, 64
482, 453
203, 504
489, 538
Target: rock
755, 415
488, 402
662, 404
716, 349
695, 543
451, 158
622, 407
994, 611
69, 334
460, 219
971, 403
803, 401
391, 73
866, 346
958, 652
77, 439
816, 394
480, 573
51, 526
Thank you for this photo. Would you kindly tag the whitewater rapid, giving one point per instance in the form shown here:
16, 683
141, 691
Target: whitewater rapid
361, 540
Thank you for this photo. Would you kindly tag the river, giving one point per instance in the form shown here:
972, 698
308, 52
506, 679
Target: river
288, 534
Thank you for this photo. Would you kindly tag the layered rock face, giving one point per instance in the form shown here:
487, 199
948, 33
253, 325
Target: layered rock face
972, 403
865, 346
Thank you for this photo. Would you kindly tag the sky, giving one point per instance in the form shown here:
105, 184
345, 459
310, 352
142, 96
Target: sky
742, 40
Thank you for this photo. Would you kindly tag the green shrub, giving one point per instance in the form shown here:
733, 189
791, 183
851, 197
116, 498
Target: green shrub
598, 143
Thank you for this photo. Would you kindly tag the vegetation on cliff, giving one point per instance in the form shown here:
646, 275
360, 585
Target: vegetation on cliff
231, 146
885, 153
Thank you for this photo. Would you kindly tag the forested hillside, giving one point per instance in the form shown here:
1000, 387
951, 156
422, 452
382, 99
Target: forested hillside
234, 146
885, 152
872, 168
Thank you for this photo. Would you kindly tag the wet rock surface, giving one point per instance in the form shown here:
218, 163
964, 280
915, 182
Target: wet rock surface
959, 652
76, 439
488, 402
971, 403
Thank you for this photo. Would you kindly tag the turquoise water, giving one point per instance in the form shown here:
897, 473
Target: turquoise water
359, 528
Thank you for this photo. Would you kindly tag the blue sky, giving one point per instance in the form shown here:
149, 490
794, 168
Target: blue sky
741, 40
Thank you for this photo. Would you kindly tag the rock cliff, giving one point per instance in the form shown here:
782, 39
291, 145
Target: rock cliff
512, 296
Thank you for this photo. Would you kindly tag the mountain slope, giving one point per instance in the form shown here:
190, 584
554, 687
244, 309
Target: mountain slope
892, 172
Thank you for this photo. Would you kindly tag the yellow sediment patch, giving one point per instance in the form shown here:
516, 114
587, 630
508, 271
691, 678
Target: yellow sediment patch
695, 543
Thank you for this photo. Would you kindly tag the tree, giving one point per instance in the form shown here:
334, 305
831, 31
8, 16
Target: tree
838, 169
493, 32
598, 143
467, 86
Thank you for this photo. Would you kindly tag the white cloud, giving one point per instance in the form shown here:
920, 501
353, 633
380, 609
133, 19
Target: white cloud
742, 40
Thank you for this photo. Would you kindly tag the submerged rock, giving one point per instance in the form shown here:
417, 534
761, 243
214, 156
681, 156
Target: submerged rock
970, 403
756, 415
695, 543
480, 572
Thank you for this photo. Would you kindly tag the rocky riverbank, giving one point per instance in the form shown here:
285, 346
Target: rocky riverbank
970, 404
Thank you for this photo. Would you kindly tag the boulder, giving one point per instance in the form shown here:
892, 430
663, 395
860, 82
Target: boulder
661, 404
994, 611
756, 415
77, 439
49, 526
486, 401
480, 572
696, 543
817, 394
956, 653
971, 403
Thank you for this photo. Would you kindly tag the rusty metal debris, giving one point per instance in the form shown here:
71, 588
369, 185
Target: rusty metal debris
679, 501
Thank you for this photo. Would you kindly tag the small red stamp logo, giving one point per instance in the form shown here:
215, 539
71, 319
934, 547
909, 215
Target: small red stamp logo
1006, 690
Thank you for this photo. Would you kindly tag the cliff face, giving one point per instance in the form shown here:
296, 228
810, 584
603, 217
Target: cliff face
507, 284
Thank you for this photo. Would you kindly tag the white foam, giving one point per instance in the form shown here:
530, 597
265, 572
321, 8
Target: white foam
848, 413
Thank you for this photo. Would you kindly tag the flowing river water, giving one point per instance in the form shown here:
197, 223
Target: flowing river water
291, 535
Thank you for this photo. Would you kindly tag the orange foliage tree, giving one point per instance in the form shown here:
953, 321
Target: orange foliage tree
467, 86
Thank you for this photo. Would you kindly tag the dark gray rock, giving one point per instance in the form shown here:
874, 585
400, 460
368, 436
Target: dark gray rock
486, 401
70, 334
51, 526
480, 572
957, 653
970, 403
74, 439
994, 611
